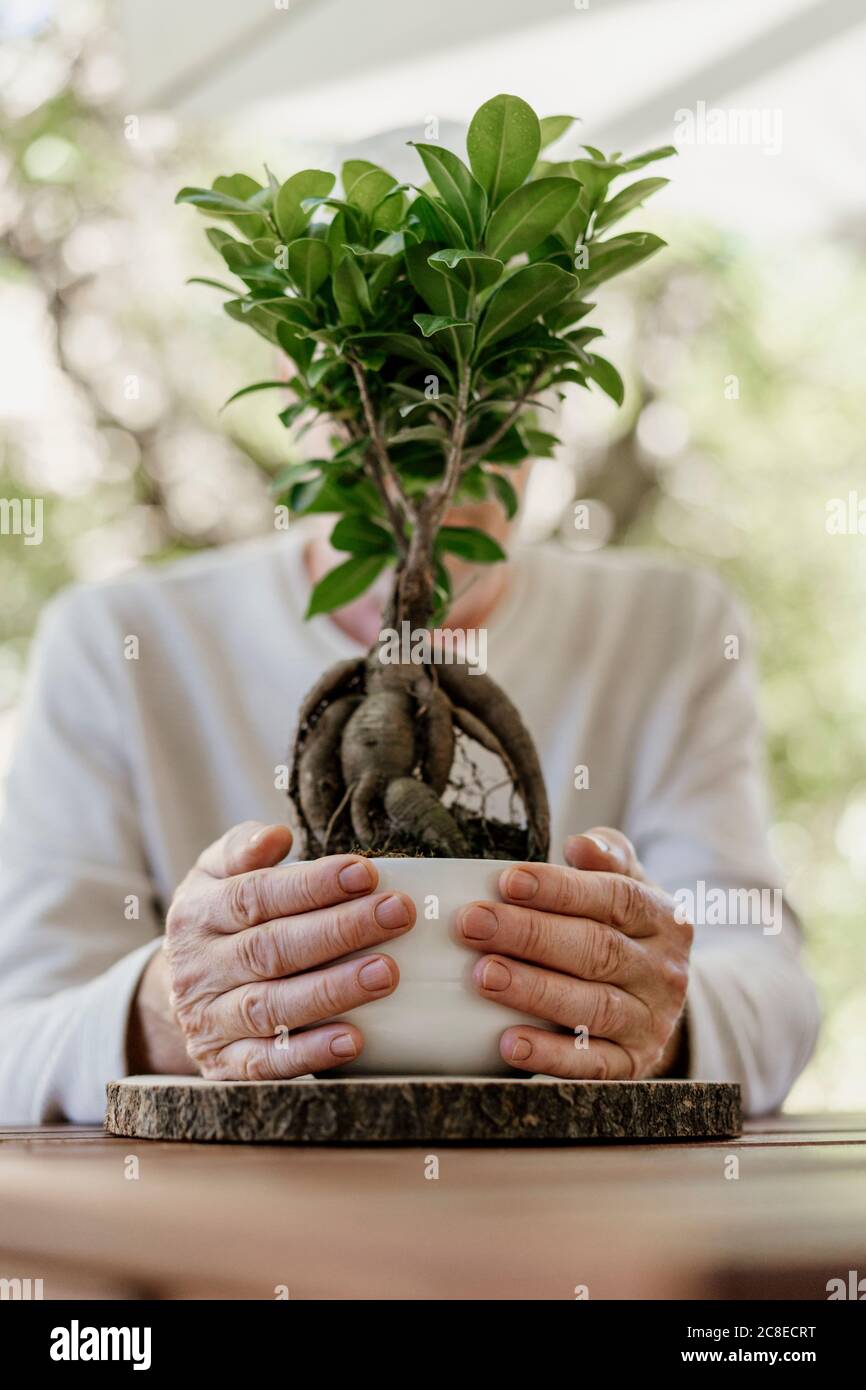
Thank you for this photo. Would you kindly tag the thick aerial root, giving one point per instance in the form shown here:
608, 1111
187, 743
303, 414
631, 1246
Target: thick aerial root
482, 697
362, 799
380, 738
373, 757
439, 753
328, 686
416, 813
320, 785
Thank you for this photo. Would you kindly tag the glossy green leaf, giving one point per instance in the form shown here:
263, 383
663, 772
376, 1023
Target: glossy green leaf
290, 217
257, 386
503, 491
612, 257
641, 160
528, 215
628, 199
345, 583
521, 298
471, 269
470, 544
605, 375
438, 290
553, 127
351, 295
503, 143
458, 334
360, 535
459, 190
309, 264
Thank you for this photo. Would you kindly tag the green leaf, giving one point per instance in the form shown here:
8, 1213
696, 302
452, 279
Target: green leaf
350, 292
640, 160
367, 194
503, 143
412, 349
438, 224
595, 175
216, 203
470, 544
521, 298
309, 264
552, 127
257, 386
503, 491
605, 375
263, 323
290, 217
214, 284
242, 187
420, 434
473, 270
625, 201
570, 311
612, 257
461, 193
345, 583
459, 334
298, 348
352, 170
529, 215
439, 292
360, 535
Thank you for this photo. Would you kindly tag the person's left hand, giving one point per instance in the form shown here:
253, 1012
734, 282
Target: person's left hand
592, 948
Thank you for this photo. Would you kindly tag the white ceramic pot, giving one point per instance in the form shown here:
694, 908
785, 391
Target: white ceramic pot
435, 1023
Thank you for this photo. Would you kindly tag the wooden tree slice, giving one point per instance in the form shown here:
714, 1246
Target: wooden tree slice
355, 1110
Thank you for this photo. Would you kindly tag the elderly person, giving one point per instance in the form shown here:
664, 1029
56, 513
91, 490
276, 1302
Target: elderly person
143, 811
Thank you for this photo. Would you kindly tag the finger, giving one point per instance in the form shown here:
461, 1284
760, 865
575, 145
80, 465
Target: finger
575, 946
606, 849
247, 900
291, 944
250, 845
555, 1054
272, 1007
602, 1010
279, 1059
635, 908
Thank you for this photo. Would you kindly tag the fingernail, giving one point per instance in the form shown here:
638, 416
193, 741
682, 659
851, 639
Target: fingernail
391, 912
258, 834
521, 884
495, 975
343, 1045
602, 844
478, 923
356, 877
521, 1050
376, 975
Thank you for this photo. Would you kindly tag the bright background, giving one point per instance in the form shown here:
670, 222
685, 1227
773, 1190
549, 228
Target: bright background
742, 345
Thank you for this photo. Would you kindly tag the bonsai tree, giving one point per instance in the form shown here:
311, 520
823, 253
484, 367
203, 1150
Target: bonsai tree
423, 322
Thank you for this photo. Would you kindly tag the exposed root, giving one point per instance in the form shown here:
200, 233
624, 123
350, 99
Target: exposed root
414, 808
482, 697
375, 754
320, 786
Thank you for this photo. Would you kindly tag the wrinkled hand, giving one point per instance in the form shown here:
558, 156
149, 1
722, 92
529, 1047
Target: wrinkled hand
592, 948
248, 948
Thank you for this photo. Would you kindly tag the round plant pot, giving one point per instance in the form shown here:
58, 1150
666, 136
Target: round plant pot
435, 1023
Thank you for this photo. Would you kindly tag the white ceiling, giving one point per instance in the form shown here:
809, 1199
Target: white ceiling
335, 72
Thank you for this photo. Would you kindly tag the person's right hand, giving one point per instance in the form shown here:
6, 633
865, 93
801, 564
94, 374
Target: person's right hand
250, 950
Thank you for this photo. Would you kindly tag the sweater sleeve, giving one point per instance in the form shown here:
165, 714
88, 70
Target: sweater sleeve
698, 819
78, 921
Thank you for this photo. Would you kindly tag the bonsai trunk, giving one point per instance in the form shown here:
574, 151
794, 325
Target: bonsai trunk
376, 743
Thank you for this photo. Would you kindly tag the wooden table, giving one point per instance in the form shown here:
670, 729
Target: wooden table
97, 1217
